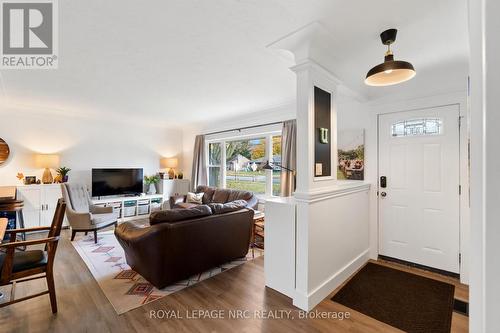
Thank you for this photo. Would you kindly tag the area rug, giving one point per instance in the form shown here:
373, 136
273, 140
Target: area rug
406, 301
124, 288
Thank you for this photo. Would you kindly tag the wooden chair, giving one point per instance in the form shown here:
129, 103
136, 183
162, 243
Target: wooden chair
19, 267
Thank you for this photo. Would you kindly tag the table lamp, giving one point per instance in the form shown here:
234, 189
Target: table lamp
47, 162
171, 164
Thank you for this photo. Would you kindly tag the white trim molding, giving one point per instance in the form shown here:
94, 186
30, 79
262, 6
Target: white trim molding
344, 187
315, 296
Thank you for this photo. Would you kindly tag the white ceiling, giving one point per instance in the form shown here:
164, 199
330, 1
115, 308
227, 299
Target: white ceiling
193, 60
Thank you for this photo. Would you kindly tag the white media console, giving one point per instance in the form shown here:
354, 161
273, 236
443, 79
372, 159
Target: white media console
130, 208
141, 206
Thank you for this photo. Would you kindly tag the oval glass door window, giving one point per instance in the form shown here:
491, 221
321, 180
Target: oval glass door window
4, 151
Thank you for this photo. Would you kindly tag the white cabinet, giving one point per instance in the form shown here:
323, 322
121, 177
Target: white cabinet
50, 196
32, 197
40, 203
170, 187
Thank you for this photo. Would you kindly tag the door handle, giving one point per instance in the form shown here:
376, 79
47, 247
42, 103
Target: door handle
383, 194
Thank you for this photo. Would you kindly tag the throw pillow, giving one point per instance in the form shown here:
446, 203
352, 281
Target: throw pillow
179, 214
196, 198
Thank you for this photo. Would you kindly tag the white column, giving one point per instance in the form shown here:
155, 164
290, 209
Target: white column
331, 222
485, 165
309, 75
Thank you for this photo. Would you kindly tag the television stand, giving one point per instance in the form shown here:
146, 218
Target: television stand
132, 207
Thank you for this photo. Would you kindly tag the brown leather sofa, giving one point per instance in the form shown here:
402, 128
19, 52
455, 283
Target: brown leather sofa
216, 195
182, 242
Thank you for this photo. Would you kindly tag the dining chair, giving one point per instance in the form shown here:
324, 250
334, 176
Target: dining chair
17, 267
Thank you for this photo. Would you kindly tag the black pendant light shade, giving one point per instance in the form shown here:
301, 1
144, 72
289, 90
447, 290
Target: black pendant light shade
390, 71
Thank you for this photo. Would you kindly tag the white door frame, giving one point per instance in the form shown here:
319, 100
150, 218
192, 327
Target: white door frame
459, 99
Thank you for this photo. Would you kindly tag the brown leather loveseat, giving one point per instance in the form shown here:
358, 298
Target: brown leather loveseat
216, 195
182, 242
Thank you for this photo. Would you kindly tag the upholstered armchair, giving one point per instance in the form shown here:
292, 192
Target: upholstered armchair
82, 215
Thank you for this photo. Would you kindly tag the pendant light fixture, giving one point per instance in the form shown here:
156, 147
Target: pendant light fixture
390, 71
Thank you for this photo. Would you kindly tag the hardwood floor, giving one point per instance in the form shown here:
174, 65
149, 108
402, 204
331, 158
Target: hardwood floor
84, 308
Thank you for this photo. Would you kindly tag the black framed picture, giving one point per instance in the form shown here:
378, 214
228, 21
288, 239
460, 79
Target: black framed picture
29, 180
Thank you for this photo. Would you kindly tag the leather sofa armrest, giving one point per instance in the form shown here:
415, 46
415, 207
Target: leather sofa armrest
130, 232
176, 199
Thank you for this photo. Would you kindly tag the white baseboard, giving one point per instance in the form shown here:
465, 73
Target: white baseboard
308, 302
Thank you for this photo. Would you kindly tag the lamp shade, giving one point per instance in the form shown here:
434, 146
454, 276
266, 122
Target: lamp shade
267, 166
390, 72
49, 161
169, 163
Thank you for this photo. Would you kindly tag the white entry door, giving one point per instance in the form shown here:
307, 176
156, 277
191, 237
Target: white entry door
419, 207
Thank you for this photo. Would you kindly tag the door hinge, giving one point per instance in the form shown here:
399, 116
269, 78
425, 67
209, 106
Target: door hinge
459, 189
459, 121
460, 258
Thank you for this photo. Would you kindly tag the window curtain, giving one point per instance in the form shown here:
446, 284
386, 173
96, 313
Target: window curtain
199, 173
288, 157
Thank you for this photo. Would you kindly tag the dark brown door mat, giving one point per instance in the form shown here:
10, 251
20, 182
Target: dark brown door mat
406, 301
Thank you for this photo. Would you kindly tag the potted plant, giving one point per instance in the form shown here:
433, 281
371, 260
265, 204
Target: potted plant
63, 173
151, 182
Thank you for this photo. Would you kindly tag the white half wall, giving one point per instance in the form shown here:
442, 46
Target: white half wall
332, 239
82, 143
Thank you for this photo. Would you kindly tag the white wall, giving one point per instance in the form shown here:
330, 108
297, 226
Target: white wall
82, 143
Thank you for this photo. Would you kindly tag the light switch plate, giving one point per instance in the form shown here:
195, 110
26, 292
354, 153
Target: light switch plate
319, 169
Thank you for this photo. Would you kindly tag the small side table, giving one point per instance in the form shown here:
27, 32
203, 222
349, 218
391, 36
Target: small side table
257, 231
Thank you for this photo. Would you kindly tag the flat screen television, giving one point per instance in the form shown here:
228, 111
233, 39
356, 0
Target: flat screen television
107, 182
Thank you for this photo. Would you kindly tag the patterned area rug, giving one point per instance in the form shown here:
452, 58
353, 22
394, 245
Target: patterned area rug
124, 288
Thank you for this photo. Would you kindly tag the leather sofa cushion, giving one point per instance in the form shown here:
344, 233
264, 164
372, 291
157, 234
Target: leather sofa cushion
24, 260
180, 214
221, 195
186, 205
239, 195
209, 193
219, 208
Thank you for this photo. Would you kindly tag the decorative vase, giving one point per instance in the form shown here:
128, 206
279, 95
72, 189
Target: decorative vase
65, 179
152, 189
